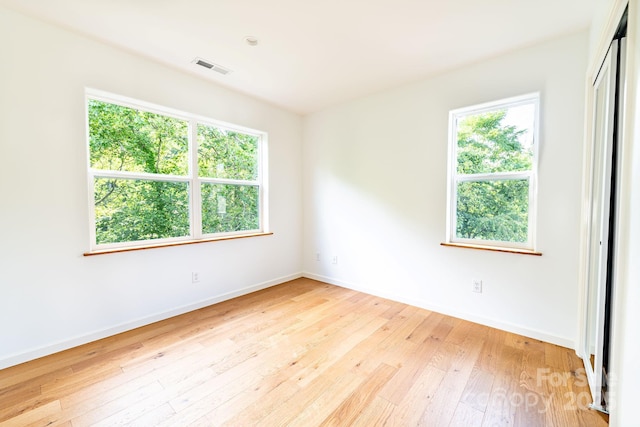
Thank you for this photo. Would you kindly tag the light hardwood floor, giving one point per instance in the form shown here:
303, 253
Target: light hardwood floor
303, 354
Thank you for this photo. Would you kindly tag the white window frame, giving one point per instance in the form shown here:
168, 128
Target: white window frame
192, 178
454, 178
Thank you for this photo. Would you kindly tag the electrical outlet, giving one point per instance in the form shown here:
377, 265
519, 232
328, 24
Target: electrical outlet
334, 260
317, 256
477, 285
195, 277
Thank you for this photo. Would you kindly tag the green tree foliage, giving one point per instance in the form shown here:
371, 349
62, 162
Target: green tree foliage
493, 210
486, 145
490, 209
123, 139
226, 154
130, 210
229, 155
229, 208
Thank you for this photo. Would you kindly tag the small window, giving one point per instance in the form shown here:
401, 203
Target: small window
492, 173
159, 176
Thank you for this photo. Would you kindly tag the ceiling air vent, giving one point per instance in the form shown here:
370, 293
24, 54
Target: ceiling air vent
211, 66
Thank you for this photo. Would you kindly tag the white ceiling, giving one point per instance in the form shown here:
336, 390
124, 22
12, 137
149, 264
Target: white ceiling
316, 53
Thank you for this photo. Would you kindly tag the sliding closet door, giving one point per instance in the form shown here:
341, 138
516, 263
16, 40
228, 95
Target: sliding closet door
602, 225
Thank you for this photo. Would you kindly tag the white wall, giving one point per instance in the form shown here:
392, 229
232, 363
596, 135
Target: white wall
375, 195
51, 296
599, 22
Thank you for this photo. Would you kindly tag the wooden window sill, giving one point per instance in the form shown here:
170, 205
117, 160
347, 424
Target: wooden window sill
164, 245
493, 248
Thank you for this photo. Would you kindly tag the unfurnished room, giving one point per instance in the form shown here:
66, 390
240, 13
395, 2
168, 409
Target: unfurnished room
296, 213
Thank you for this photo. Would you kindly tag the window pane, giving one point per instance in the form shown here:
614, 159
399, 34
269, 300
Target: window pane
226, 154
500, 140
228, 208
130, 210
125, 139
493, 210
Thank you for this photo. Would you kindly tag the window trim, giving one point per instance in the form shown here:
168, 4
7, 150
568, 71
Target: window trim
453, 178
192, 178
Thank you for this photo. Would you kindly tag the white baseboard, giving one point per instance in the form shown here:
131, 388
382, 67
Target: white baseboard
494, 323
46, 350
123, 327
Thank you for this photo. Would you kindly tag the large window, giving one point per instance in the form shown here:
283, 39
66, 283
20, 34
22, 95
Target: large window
492, 173
159, 176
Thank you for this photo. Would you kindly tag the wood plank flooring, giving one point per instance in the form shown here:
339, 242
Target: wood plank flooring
303, 353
